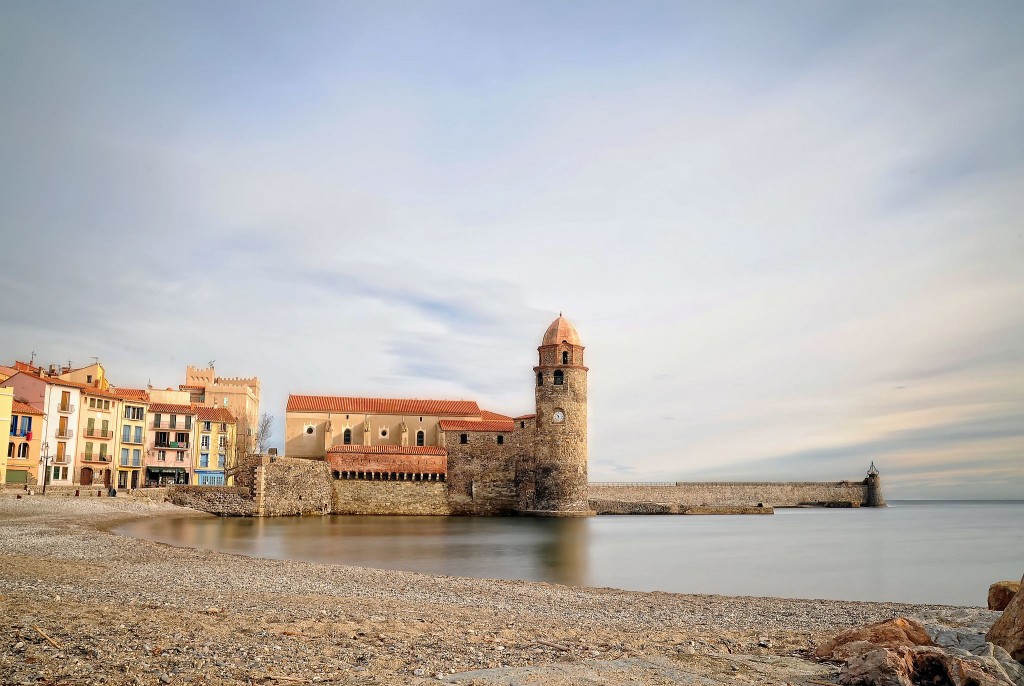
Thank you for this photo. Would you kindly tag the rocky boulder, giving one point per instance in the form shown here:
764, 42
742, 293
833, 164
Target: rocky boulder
919, 666
1001, 593
892, 633
1008, 631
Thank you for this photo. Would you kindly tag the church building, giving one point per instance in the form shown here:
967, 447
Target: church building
491, 463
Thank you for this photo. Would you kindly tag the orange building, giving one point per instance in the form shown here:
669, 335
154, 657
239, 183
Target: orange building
23, 444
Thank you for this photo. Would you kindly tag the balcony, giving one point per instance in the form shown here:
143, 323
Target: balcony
66, 408
64, 433
59, 459
171, 445
98, 433
171, 426
95, 457
133, 440
134, 462
20, 433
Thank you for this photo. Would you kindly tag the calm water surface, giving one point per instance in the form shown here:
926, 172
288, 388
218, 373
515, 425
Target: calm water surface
913, 551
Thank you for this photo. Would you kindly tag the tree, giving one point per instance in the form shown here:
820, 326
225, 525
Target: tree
264, 430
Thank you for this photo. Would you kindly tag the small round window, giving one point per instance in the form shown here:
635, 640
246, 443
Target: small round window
383, 433
309, 429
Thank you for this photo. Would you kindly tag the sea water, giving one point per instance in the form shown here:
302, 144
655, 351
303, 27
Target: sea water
942, 552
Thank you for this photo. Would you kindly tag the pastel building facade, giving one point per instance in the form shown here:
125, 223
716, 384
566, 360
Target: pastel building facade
131, 436
60, 402
23, 462
6, 405
169, 443
215, 451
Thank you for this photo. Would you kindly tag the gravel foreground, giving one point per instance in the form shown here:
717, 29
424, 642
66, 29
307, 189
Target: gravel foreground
81, 605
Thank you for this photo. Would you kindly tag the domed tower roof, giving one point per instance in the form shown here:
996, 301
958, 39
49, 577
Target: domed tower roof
561, 330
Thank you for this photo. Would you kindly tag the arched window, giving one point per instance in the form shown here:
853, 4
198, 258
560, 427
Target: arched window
420, 437
565, 357
559, 377
540, 378
463, 439
347, 437
23, 450
10, 450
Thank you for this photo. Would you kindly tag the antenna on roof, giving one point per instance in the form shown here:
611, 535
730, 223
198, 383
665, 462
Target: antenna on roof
95, 360
211, 363
32, 360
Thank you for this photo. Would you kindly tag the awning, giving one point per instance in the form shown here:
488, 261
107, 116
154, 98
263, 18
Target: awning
166, 470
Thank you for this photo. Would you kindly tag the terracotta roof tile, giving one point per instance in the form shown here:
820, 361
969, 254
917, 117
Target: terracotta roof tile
402, 406
190, 387
493, 416
132, 394
20, 407
462, 425
526, 416
388, 449
172, 408
215, 414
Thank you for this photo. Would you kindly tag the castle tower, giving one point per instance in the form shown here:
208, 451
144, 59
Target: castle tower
560, 458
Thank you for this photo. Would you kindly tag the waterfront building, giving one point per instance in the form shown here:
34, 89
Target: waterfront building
491, 462
170, 441
23, 443
60, 402
238, 395
6, 404
130, 436
214, 455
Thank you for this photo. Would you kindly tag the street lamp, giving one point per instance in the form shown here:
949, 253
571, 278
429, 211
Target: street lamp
46, 463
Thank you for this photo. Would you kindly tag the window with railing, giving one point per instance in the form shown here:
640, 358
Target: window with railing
124, 457
204, 459
137, 458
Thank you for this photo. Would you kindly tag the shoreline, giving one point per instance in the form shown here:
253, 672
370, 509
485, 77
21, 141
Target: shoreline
137, 611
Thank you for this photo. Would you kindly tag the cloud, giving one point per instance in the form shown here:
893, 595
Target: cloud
790, 238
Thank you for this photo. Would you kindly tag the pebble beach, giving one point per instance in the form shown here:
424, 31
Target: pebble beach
83, 605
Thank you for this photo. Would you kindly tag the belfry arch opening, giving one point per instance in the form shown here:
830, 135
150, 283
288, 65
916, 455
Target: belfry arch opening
347, 437
565, 357
559, 377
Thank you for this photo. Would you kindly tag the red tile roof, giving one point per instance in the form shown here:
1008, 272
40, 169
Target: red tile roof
526, 416
462, 425
132, 394
20, 407
190, 387
389, 449
401, 406
171, 408
493, 416
215, 414
99, 391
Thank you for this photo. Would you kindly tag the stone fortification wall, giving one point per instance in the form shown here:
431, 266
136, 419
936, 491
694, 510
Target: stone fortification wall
228, 501
481, 472
775, 494
290, 486
391, 497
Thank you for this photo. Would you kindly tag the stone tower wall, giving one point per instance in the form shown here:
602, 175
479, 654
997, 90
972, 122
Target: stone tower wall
561, 447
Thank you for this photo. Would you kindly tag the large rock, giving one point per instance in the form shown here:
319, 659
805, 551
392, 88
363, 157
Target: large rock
891, 633
1001, 593
918, 666
1008, 631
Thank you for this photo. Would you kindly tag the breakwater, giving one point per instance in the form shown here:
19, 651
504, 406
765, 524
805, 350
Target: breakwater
280, 486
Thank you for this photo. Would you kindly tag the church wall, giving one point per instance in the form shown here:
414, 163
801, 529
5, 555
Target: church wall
481, 473
391, 498
300, 444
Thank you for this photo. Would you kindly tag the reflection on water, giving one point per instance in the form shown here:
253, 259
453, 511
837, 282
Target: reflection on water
938, 552
553, 550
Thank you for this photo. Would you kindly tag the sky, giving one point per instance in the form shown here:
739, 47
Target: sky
790, 234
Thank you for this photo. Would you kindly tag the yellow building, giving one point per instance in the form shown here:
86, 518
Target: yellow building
238, 395
97, 426
23, 445
6, 404
215, 454
130, 437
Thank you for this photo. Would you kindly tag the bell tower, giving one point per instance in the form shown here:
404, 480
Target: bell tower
560, 449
